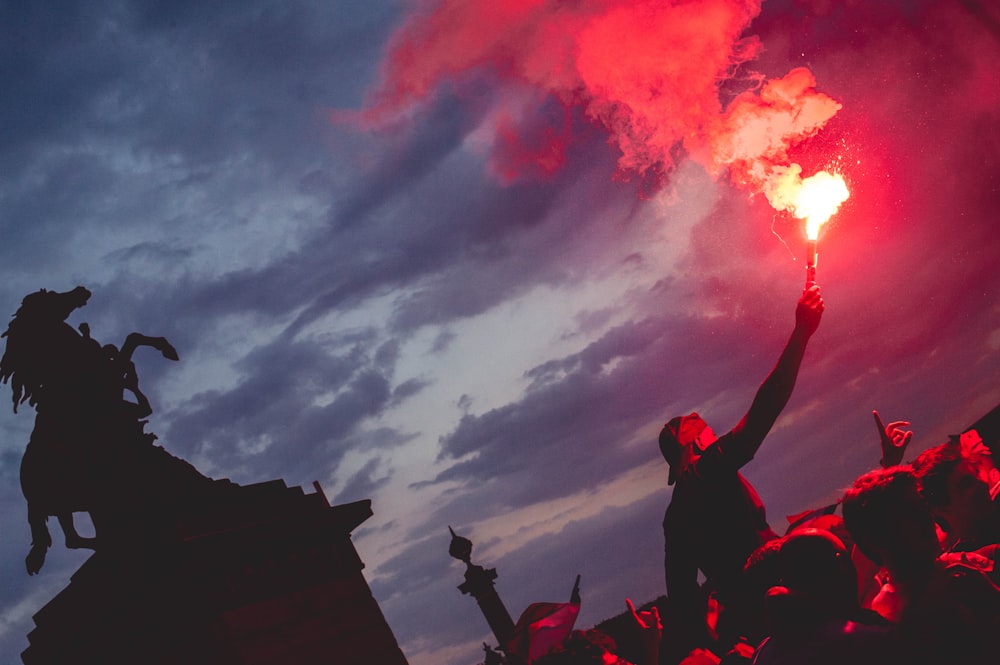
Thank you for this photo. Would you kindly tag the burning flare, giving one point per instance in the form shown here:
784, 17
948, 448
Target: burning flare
817, 199
814, 199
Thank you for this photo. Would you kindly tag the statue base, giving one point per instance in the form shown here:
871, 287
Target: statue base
271, 578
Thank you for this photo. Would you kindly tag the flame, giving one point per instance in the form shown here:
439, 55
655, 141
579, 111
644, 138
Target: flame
814, 199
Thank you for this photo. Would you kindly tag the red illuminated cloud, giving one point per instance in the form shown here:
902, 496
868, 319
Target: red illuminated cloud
648, 71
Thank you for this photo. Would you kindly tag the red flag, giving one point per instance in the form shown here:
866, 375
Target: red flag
795, 521
541, 627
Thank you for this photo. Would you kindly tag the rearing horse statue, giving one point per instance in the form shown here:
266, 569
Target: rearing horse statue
88, 451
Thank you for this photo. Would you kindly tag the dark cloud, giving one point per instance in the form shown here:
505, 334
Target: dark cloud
272, 418
568, 432
363, 484
150, 254
614, 552
450, 263
423, 576
408, 389
10, 463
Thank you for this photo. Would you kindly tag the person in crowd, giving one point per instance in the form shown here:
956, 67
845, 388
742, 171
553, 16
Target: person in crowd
958, 496
650, 628
586, 647
596, 647
894, 439
811, 604
715, 518
946, 606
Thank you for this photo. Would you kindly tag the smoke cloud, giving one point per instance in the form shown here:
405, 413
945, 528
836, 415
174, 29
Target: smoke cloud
649, 72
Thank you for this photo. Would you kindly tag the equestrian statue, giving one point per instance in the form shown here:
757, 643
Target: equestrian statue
89, 451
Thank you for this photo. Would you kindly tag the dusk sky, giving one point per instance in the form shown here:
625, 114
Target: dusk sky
464, 258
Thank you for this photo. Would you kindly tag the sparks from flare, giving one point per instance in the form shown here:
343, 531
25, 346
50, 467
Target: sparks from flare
814, 199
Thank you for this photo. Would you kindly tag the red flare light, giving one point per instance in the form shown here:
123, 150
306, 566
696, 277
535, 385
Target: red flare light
819, 197
814, 199
648, 71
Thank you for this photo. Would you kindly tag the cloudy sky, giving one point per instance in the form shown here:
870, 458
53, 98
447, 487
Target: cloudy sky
465, 258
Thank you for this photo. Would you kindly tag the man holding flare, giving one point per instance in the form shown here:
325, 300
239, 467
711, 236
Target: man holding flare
715, 518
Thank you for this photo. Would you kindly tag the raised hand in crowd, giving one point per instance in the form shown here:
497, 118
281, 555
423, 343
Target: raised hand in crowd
894, 439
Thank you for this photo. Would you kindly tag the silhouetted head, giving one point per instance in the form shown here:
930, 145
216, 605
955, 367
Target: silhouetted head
682, 440
958, 496
974, 449
891, 522
800, 580
816, 565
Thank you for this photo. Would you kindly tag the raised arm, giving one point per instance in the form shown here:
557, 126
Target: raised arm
773, 394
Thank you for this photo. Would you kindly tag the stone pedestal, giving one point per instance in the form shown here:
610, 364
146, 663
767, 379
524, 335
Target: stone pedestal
271, 578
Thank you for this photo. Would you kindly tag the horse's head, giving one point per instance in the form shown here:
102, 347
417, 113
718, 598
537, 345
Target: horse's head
51, 306
39, 342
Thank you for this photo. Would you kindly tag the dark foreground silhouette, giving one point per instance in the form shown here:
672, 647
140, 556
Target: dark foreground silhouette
89, 451
187, 569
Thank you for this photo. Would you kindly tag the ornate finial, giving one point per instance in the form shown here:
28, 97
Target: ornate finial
479, 584
460, 548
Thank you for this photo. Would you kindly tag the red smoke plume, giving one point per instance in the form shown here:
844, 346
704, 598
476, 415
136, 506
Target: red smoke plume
647, 70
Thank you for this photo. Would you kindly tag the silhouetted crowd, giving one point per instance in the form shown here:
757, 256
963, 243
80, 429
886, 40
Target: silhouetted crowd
906, 573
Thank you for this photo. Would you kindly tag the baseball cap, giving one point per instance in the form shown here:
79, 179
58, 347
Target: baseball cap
679, 433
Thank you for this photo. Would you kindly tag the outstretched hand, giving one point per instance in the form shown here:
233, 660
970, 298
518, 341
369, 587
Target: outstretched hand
648, 621
894, 439
809, 310
650, 631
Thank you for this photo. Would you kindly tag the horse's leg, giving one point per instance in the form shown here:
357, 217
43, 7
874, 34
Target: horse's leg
41, 540
74, 541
